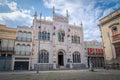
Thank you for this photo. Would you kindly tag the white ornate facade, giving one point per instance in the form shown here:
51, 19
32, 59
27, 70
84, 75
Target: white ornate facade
23, 49
61, 44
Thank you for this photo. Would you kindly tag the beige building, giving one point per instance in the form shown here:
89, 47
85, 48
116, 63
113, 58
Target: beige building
7, 40
110, 30
94, 53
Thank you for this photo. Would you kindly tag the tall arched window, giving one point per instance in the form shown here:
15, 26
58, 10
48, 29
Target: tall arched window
76, 57
72, 39
48, 37
19, 36
44, 35
23, 49
75, 39
17, 49
114, 30
29, 36
43, 57
28, 50
61, 35
78, 39
24, 36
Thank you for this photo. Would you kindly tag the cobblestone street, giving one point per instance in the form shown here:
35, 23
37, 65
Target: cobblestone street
62, 75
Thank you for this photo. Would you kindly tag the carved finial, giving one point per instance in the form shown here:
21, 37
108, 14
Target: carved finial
67, 13
35, 15
74, 24
53, 10
81, 24
44, 18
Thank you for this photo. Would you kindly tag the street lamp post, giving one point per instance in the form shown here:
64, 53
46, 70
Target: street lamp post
39, 43
91, 65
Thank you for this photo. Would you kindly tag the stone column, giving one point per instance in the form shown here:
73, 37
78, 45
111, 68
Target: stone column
13, 61
54, 62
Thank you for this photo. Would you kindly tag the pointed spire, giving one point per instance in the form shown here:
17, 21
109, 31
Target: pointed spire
35, 15
44, 18
66, 13
53, 9
81, 24
74, 24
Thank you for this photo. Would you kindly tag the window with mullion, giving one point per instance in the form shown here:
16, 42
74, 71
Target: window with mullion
42, 35
72, 39
61, 35
48, 36
73, 58
75, 39
78, 39
45, 35
43, 57
76, 57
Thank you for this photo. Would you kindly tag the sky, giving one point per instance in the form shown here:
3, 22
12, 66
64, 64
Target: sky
15, 13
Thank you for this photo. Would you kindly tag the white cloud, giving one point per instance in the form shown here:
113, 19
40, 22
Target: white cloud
108, 11
16, 15
81, 10
49, 18
12, 5
32, 8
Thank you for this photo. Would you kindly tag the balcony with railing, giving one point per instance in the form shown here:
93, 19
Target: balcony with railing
22, 53
28, 39
23, 39
18, 38
6, 48
116, 37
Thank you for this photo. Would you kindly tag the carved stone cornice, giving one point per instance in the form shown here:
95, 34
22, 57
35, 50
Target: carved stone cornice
60, 18
74, 27
45, 22
110, 17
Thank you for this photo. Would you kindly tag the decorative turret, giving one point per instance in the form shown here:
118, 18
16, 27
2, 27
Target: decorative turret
53, 10
81, 24
67, 13
35, 15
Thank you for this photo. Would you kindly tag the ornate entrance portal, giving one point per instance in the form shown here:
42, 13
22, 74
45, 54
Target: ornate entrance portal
60, 59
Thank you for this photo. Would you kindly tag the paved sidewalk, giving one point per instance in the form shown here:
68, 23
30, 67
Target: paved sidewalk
98, 74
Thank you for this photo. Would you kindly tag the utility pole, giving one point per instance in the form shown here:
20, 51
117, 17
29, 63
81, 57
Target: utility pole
39, 43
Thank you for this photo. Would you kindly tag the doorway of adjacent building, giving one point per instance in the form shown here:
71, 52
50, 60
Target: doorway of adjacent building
60, 59
21, 65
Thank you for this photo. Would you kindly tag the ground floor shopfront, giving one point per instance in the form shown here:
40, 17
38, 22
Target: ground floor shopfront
97, 61
5, 62
44, 61
114, 63
20, 63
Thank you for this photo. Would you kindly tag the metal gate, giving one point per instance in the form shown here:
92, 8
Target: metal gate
5, 63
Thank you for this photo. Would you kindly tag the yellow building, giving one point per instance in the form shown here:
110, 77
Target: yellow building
110, 30
7, 41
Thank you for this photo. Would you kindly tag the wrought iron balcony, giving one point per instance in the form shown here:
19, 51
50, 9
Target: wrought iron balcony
18, 38
24, 39
6, 48
28, 39
10, 48
22, 53
116, 37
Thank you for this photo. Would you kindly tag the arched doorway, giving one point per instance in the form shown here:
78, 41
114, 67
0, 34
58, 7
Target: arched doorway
60, 59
